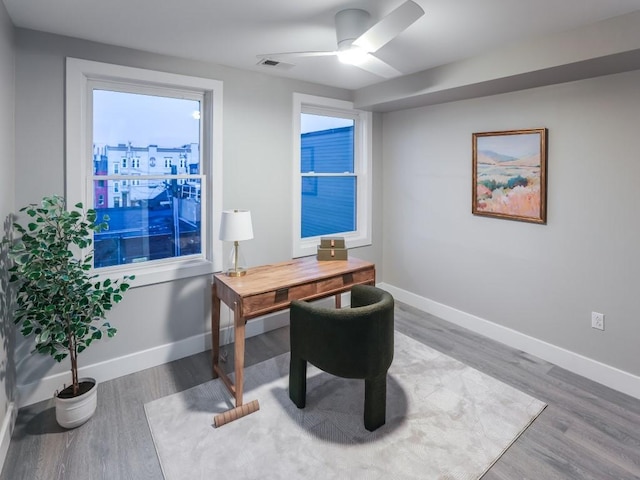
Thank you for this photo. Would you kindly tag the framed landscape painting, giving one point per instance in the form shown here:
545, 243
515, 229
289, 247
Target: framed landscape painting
510, 175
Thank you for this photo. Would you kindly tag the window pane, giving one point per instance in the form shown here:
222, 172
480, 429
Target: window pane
143, 136
164, 225
326, 144
328, 205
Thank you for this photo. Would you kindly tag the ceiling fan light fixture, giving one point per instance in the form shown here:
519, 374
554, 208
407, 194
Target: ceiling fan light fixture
352, 55
358, 42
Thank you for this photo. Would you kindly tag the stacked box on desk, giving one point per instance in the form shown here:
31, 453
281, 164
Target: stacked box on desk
332, 248
332, 242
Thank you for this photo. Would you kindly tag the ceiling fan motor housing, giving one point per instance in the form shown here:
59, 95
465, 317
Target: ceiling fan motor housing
350, 24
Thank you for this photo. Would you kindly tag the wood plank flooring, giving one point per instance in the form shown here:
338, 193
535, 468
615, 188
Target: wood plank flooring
588, 431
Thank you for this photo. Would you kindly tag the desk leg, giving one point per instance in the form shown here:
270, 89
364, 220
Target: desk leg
339, 301
236, 389
215, 330
239, 352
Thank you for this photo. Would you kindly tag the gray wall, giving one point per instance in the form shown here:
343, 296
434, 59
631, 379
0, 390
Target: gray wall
541, 280
7, 55
257, 176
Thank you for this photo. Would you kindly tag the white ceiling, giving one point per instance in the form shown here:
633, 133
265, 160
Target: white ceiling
234, 32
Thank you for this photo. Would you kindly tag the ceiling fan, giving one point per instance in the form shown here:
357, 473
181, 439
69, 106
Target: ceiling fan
356, 42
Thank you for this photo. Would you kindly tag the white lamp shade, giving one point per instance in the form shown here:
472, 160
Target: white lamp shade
235, 225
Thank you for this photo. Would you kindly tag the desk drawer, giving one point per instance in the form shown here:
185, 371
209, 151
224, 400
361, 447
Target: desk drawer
354, 278
365, 276
282, 296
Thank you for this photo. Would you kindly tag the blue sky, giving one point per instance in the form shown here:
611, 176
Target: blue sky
164, 121
314, 123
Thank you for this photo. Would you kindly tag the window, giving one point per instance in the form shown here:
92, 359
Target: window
153, 222
332, 173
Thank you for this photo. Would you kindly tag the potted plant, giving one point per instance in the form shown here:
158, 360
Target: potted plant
60, 302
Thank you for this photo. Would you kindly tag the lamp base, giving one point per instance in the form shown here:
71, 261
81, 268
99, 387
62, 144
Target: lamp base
236, 265
236, 272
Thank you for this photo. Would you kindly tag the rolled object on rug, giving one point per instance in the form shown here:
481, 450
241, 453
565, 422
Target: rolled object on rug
236, 413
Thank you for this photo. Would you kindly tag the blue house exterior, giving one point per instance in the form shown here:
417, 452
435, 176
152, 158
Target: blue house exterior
328, 202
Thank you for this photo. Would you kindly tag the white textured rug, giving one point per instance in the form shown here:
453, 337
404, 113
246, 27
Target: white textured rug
445, 420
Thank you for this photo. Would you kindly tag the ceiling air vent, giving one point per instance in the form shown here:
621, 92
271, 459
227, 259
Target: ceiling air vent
270, 63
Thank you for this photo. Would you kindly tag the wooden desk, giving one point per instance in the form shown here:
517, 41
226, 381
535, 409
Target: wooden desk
271, 288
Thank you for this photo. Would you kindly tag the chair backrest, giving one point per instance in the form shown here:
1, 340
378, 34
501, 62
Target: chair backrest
354, 342
363, 295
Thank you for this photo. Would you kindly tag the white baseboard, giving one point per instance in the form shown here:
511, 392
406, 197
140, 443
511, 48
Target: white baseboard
7, 429
45, 388
612, 377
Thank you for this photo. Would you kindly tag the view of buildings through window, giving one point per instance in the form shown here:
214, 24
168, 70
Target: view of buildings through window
146, 176
328, 175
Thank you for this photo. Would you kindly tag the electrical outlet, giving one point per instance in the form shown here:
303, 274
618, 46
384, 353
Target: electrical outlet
597, 320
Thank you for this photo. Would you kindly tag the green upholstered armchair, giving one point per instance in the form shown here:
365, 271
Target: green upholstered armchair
354, 342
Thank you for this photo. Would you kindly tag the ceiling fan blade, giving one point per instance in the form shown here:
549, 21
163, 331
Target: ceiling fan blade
378, 67
390, 26
276, 56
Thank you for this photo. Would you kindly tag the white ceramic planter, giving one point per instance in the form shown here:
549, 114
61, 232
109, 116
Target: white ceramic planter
73, 412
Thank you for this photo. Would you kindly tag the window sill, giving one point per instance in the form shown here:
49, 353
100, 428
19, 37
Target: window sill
160, 273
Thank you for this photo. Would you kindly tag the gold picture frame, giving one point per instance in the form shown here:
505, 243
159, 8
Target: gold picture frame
510, 175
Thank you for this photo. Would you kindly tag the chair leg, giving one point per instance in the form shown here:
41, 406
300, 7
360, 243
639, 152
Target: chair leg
298, 381
375, 401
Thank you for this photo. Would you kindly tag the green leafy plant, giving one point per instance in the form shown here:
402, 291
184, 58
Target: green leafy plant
59, 301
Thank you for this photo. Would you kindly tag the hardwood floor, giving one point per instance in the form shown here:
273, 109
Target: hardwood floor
588, 431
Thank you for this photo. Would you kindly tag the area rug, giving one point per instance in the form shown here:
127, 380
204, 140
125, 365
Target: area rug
445, 420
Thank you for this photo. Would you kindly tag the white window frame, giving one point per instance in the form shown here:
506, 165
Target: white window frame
79, 168
362, 151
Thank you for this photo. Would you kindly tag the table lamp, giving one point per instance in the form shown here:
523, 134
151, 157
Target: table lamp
235, 226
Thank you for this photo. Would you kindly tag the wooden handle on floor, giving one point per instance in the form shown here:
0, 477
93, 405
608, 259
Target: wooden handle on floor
235, 413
